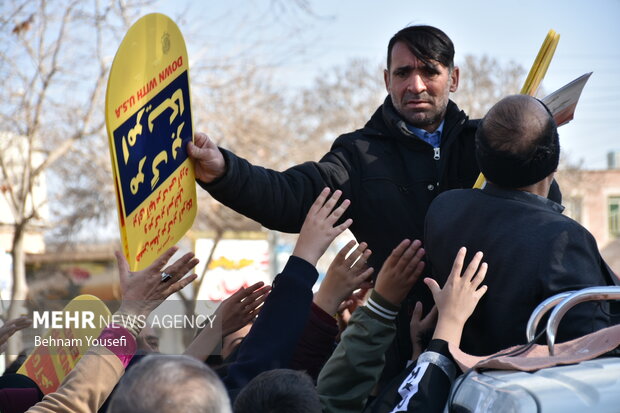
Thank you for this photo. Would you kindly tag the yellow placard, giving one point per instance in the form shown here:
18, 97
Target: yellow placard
149, 123
48, 364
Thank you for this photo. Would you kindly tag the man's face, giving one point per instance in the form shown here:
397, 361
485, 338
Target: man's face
420, 93
148, 340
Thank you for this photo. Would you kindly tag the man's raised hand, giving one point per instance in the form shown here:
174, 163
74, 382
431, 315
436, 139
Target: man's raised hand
208, 160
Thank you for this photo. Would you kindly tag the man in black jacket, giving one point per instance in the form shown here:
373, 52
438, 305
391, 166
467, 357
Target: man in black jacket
391, 169
415, 146
533, 251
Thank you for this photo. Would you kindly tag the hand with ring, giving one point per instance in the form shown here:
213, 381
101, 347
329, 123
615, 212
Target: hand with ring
142, 291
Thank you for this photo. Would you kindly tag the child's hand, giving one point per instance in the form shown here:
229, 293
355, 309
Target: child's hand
318, 230
234, 313
348, 307
345, 275
458, 298
242, 307
400, 271
420, 329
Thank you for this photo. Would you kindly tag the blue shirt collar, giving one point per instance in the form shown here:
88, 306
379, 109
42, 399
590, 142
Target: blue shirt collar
432, 138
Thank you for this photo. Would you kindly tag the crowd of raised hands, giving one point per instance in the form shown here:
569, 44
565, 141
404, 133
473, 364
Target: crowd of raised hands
337, 335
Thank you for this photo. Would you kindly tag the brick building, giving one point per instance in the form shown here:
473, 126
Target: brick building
593, 199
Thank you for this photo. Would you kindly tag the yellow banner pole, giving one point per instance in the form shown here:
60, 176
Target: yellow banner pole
536, 65
544, 65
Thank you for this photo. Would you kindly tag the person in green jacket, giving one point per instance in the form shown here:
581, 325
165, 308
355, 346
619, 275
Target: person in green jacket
347, 379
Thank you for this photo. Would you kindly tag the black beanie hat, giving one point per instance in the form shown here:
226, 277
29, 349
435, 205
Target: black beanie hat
512, 170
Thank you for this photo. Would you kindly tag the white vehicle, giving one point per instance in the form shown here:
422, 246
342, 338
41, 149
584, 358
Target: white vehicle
589, 386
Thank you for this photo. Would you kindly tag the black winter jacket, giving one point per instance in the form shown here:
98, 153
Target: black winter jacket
389, 174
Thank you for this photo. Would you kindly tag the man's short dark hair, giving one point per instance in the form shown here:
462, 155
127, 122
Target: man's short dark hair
517, 143
279, 391
426, 43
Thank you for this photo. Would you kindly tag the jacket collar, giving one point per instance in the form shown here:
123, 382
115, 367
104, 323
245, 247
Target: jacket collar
522, 196
387, 121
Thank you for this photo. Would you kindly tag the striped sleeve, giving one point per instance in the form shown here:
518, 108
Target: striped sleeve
380, 308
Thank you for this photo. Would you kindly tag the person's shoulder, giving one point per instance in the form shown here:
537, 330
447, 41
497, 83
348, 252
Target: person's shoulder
374, 129
573, 229
457, 194
454, 114
359, 139
453, 197
472, 125
561, 229
353, 135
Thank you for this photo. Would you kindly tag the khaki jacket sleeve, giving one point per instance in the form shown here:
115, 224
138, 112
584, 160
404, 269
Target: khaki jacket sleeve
86, 387
355, 366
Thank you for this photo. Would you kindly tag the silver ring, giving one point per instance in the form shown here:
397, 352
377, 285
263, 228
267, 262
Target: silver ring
165, 276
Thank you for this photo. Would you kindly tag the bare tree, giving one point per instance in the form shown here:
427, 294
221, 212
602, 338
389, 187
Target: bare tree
54, 64
340, 100
484, 81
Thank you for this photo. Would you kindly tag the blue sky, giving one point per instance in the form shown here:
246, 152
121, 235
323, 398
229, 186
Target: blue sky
344, 29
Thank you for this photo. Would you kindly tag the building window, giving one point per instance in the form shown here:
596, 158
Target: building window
614, 216
572, 207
